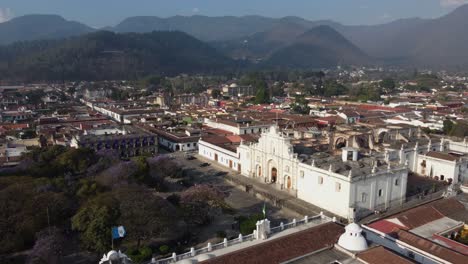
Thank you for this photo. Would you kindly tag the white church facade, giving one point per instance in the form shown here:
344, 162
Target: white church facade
344, 185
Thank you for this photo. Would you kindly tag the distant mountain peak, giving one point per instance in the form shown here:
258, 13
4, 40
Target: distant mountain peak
319, 47
39, 26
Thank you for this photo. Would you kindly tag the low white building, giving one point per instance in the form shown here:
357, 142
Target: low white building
443, 166
238, 126
222, 150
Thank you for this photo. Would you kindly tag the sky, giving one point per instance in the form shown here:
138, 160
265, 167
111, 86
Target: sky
100, 13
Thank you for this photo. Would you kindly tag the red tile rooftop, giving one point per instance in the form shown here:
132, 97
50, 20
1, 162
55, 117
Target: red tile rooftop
216, 131
448, 207
454, 245
376, 255
284, 248
14, 126
386, 227
431, 247
419, 216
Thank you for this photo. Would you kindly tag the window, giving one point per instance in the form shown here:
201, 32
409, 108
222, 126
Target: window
320, 180
301, 173
397, 182
337, 186
380, 192
287, 169
363, 197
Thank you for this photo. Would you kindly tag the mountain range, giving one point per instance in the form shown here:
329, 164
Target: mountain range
278, 42
107, 55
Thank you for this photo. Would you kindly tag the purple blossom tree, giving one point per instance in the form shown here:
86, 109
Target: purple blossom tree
200, 203
118, 175
48, 248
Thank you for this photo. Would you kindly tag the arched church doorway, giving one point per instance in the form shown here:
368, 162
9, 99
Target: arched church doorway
274, 175
289, 183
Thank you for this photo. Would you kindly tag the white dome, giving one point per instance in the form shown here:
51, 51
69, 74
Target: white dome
113, 255
354, 228
352, 239
233, 85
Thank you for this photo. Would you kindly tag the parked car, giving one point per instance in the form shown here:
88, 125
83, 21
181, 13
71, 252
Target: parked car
205, 164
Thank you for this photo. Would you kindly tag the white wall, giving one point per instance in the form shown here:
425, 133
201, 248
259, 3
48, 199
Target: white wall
324, 195
172, 146
449, 169
210, 151
237, 130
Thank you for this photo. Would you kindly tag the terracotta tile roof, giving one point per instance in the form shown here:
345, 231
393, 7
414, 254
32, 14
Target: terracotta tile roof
376, 255
231, 139
216, 131
418, 216
452, 244
14, 126
385, 226
448, 207
284, 248
431, 247
442, 156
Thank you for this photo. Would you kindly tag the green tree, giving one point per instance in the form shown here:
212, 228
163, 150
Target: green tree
448, 126
388, 84
94, 221
333, 88
77, 160
26, 206
261, 97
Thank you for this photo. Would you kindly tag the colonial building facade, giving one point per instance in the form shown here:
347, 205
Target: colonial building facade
345, 185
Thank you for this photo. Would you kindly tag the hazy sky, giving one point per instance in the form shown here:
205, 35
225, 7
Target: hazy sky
99, 13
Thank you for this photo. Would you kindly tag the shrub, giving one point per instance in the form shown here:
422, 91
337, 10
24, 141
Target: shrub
140, 255
164, 249
221, 234
248, 225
